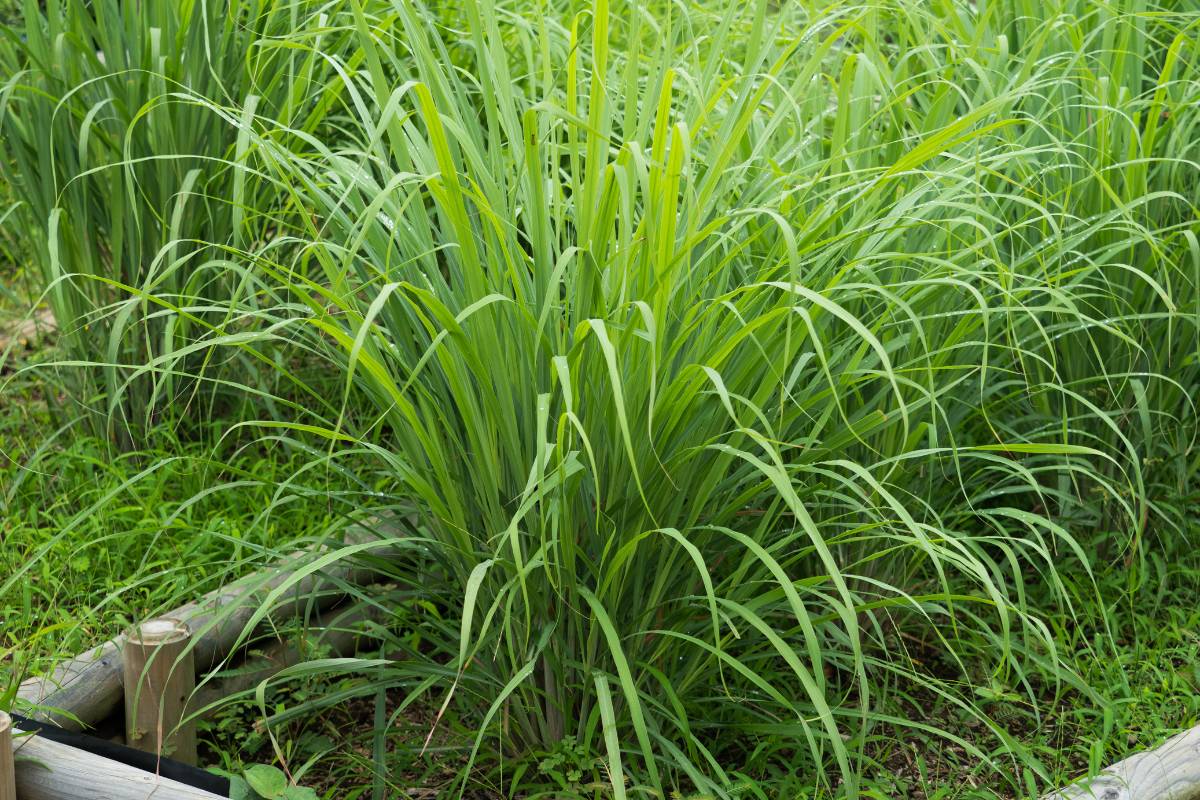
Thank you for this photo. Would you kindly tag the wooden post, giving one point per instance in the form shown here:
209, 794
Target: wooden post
8, 775
160, 676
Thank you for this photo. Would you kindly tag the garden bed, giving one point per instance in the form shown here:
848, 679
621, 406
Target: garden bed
790, 399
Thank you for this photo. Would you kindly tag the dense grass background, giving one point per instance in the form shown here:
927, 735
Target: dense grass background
769, 384
131, 183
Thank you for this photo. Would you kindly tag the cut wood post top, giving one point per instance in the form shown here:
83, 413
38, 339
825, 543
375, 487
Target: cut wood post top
159, 631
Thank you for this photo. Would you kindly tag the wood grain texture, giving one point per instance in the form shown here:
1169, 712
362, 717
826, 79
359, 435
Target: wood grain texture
48, 770
159, 678
1170, 771
88, 685
86, 689
8, 775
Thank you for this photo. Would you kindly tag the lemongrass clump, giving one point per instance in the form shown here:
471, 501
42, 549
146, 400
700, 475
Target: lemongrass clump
719, 349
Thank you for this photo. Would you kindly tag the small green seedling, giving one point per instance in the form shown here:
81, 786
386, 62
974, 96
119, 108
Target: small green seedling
264, 782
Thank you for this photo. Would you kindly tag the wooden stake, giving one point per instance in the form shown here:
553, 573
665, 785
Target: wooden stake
8, 775
160, 676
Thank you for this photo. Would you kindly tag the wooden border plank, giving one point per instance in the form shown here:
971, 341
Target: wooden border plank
1170, 771
49, 770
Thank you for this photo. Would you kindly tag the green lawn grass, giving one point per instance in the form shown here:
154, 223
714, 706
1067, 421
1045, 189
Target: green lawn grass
95, 539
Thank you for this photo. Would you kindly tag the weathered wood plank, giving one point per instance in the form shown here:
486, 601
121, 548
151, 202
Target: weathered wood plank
49, 770
1170, 771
